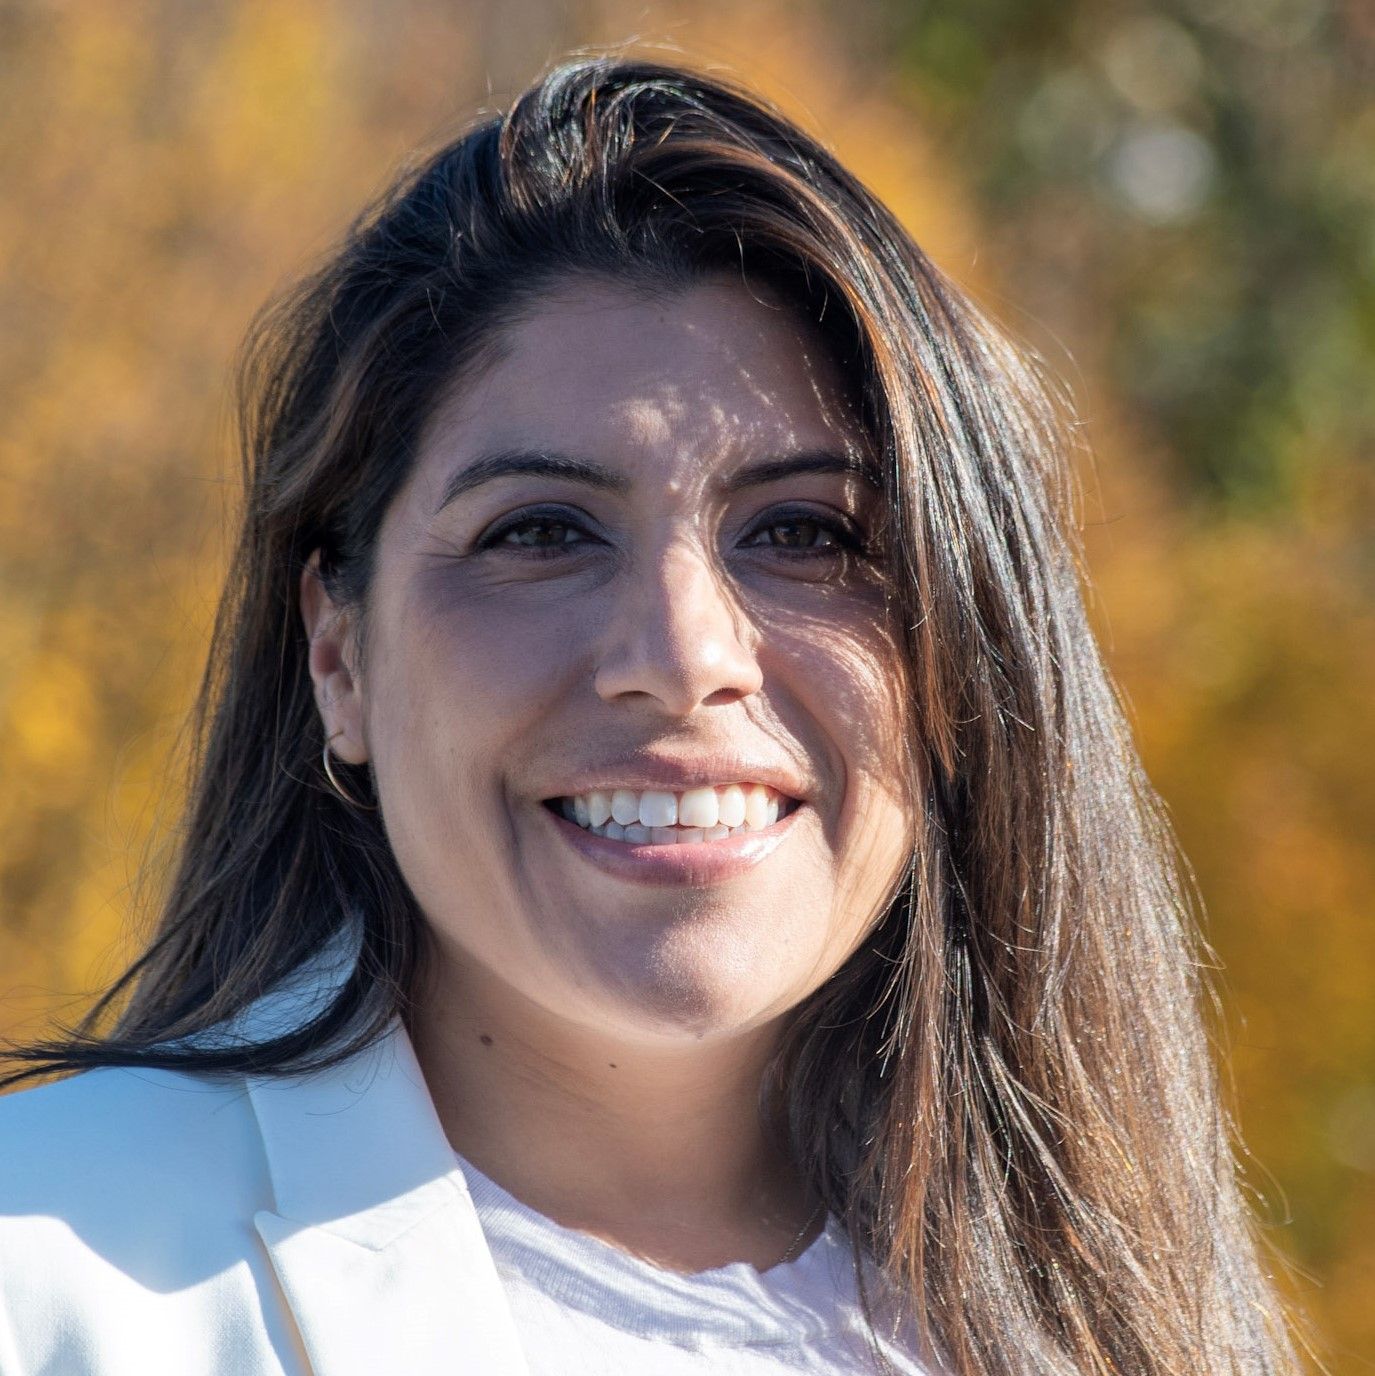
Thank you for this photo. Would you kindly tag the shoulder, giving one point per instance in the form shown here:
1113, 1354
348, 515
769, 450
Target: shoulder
112, 1140
126, 1225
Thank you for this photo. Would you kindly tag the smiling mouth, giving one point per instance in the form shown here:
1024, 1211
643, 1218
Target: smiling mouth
669, 835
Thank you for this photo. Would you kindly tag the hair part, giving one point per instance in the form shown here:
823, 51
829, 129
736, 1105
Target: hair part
1006, 1092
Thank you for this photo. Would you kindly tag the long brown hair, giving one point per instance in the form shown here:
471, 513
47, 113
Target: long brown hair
1006, 1092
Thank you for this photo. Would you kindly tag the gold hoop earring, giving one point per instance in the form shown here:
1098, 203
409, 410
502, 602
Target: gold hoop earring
340, 789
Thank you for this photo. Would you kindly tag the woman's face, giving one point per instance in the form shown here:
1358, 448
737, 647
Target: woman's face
627, 573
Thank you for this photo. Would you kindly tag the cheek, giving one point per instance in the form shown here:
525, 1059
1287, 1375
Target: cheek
456, 691
457, 685
851, 689
844, 669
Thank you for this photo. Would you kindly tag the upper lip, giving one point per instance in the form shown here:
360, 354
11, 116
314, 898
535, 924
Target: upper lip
678, 774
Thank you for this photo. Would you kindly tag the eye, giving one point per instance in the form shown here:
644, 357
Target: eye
537, 532
806, 533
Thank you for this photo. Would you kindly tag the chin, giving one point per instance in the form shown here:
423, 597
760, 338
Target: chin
698, 987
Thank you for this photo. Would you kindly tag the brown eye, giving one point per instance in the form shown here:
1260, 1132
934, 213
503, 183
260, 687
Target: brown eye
804, 533
799, 533
540, 531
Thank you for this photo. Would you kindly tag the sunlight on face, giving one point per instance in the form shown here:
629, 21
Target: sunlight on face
631, 557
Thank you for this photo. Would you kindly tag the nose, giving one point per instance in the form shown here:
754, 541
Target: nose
676, 637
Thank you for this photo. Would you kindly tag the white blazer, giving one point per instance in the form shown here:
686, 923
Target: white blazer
157, 1223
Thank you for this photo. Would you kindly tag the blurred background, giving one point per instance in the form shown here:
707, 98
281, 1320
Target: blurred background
1172, 200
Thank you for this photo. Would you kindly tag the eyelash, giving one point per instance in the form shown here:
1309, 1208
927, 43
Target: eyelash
847, 539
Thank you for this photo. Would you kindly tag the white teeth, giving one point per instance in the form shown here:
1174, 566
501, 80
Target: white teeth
732, 806
658, 809
664, 836
698, 807
757, 808
660, 818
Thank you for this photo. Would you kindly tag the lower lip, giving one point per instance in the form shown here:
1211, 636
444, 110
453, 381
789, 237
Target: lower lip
690, 865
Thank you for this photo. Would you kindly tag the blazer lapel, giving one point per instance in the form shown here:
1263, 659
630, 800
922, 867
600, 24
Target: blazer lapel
375, 1239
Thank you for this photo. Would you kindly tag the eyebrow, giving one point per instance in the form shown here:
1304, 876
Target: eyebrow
545, 464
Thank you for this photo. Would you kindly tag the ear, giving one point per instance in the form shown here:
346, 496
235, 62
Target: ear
333, 660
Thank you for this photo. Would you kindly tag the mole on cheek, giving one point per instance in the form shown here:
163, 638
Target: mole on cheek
485, 1039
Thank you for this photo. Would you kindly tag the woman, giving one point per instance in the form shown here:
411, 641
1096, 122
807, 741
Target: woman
662, 826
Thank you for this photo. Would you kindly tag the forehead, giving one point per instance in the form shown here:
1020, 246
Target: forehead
678, 383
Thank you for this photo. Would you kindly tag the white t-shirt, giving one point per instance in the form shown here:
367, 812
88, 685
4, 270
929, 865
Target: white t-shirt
584, 1308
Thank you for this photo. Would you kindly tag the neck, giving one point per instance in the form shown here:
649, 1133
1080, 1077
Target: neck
655, 1147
